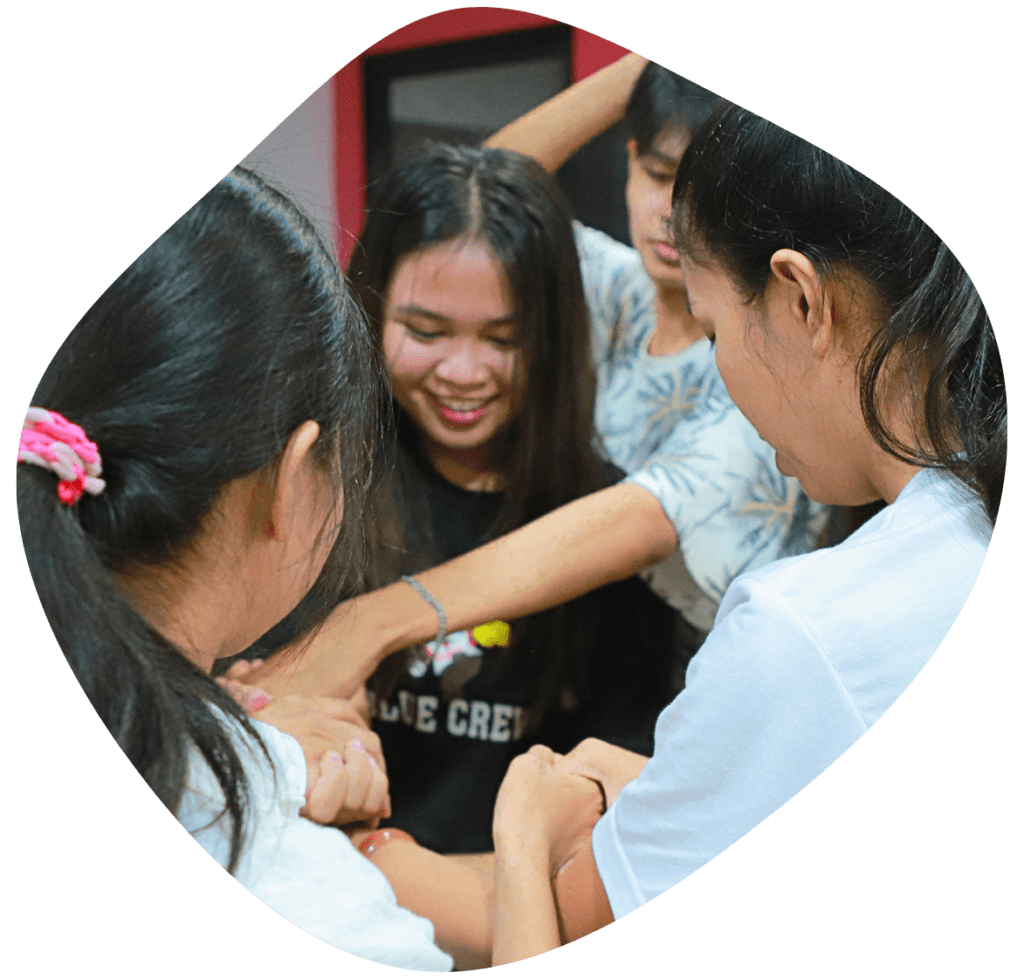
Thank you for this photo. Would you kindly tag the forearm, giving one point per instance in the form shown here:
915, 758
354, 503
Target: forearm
452, 893
597, 539
525, 918
556, 129
600, 538
580, 897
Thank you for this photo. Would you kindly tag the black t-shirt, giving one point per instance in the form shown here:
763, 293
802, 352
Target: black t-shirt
452, 724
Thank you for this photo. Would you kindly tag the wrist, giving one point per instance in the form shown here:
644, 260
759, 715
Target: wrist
523, 847
399, 618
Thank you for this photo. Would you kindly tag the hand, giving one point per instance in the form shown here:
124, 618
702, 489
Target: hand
335, 661
613, 767
251, 699
345, 774
543, 811
240, 667
348, 788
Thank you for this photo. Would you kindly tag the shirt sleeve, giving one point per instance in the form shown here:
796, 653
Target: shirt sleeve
733, 511
321, 883
762, 714
614, 285
310, 874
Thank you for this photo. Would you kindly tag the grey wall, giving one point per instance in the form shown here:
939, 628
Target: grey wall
298, 157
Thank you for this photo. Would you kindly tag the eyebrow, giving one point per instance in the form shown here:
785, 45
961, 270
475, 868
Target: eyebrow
428, 314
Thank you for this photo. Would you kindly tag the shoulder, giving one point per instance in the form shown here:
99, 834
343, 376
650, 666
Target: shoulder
594, 245
876, 606
612, 272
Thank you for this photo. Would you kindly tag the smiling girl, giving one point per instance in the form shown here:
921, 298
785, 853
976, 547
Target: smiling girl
468, 272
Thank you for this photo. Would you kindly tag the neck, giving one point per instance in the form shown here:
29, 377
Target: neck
891, 476
190, 618
676, 329
471, 469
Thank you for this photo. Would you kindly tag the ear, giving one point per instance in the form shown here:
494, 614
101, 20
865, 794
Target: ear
287, 485
804, 296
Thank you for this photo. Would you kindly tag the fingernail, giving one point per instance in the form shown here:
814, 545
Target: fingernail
334, 758
258, 701
356, 743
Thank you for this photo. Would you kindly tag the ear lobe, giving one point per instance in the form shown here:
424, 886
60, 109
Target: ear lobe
289, 472
806, 296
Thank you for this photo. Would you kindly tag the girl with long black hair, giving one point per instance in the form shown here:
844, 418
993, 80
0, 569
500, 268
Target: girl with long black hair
469, 275
182, 476
855, 342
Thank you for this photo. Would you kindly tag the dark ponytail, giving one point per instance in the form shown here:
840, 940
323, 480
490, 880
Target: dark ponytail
746, 188
191, 370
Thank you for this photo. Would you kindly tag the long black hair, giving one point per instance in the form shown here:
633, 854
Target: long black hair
506, 201
746, 188
191, 370
509, 203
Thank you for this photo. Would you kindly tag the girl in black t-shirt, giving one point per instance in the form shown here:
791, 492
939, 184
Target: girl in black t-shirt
468, 271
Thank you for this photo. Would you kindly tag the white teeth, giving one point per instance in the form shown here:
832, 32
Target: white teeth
462, 405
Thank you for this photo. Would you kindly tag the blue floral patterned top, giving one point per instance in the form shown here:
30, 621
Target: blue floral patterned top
670, 423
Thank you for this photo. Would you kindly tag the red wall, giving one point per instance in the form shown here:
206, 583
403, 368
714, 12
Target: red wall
589, 53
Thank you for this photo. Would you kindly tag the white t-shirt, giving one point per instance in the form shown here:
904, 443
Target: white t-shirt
312, 875
670, 424
805, 655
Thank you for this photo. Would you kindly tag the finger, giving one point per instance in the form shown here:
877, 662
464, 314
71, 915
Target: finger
372, 744
377, 795
361, 768
328, 794
543, 753
586, 767
249, 698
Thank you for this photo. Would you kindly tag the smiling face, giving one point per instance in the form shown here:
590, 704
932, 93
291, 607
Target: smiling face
799, 391
649, 200
449, 339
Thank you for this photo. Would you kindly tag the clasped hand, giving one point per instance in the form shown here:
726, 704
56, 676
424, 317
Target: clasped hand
346, 780
548, 803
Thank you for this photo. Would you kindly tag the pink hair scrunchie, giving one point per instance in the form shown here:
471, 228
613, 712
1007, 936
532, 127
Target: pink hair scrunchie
51, 441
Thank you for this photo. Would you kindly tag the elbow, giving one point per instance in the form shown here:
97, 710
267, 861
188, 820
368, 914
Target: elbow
649, 526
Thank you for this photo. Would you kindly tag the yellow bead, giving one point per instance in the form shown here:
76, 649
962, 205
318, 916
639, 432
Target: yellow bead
492, 634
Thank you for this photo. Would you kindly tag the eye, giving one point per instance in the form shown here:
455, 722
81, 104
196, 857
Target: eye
660, 175
424, 336
503, 342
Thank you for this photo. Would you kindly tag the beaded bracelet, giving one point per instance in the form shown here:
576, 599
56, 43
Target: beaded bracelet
379, 837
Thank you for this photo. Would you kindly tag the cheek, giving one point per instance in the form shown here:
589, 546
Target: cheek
506, 369
406, 360
743, 377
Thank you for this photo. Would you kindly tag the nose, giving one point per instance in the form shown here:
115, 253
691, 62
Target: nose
465, 363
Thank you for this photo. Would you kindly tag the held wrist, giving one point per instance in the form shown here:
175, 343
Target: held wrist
523, 846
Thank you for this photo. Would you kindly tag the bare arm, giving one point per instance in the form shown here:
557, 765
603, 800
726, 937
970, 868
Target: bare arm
453, 892
543, 821
597, 539
556, 129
